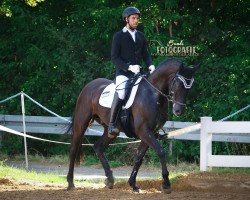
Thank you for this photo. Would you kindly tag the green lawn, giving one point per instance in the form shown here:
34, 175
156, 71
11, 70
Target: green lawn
22, 175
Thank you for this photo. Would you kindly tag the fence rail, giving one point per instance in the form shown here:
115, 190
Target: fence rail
55, 125
188, 131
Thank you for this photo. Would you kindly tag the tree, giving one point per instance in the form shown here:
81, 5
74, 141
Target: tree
51, 49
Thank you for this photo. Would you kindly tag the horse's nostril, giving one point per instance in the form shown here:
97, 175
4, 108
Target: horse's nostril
177, 112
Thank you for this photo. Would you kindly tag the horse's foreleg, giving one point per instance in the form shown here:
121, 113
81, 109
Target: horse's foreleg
148, 137
99, 148
78, 130
138, 161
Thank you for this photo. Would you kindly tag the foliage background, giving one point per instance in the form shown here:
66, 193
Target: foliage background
50, 49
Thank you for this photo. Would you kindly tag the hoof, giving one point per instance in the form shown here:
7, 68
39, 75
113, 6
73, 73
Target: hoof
137, 190
109, 183
70, 188
167, 190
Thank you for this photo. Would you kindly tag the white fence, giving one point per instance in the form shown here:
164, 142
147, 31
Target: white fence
209, 131
206, 132
55, 125
208, 128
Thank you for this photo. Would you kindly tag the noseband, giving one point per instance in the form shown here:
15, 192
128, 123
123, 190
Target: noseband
187, 83
184, 80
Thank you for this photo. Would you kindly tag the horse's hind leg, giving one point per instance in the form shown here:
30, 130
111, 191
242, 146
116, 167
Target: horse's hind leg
142, 149
79, 127
99, 148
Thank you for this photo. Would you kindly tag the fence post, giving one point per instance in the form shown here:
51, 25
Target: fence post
170, 148
24, 131
205, 142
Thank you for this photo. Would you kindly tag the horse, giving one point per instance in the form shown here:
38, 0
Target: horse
169, 82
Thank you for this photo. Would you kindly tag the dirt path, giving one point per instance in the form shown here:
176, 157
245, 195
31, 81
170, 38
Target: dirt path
194, 186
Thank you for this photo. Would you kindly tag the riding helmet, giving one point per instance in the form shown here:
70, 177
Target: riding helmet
130, 11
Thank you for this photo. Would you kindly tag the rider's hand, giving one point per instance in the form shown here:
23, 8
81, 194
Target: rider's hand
134, 68
151, 68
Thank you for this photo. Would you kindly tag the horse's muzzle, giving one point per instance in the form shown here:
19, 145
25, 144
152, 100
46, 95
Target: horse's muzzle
178, 109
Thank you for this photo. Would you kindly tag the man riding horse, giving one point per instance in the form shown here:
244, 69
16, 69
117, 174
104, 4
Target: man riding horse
171, 81
129, 48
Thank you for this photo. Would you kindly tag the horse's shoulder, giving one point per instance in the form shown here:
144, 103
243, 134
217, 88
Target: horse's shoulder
102, 80
98, 82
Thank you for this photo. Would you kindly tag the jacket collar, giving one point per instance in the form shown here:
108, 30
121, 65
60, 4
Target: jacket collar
125, 29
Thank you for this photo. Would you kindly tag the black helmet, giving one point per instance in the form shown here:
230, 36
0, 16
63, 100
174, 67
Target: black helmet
130, 11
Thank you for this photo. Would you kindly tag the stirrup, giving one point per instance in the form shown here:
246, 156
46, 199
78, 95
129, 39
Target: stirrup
113, 131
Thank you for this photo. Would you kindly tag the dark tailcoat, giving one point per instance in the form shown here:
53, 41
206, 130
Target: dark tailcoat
126, 52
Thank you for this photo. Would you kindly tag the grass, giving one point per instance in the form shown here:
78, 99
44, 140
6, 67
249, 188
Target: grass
57, 159
90, 160
233, 170
22, 175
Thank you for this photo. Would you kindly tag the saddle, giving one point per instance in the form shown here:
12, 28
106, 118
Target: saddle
107, 95
124, 115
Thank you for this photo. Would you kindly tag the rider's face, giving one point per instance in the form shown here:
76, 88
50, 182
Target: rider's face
133, 20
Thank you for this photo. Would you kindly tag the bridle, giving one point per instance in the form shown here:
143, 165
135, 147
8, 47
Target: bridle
187, 83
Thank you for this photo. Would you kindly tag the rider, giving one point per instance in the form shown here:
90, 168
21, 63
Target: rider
129, 48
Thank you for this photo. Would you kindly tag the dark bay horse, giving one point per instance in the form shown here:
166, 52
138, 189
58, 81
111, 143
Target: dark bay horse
169, 82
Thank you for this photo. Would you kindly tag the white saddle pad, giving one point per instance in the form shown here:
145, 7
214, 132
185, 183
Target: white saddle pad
108, 93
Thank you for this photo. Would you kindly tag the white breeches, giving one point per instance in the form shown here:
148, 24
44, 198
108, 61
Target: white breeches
120, 83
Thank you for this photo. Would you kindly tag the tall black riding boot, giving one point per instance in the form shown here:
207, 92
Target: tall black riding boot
113, 130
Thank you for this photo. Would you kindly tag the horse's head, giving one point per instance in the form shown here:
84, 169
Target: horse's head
179, 85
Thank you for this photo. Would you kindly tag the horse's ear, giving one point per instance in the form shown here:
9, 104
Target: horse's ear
188, 71
196, 67
181, 69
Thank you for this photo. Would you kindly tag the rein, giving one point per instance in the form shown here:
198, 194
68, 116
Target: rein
166, 96
170, 96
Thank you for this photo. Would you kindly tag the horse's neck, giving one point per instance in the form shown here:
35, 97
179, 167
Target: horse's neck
160, 79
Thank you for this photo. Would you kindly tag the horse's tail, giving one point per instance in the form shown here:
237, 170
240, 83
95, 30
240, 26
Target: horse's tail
69, 127
79, 154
